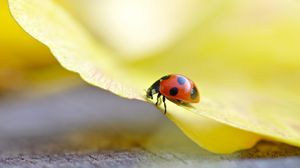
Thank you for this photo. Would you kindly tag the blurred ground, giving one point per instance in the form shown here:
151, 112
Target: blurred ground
87, 127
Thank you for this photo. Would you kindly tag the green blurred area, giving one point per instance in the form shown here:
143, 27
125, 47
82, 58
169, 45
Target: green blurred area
235, 43
252, 41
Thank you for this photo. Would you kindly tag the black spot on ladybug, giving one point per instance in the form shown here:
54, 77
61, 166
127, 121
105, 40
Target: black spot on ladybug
194, 93
173, 91
181, 80
166, 77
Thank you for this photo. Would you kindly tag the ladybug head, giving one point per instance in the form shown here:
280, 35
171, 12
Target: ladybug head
149, 93
153, 89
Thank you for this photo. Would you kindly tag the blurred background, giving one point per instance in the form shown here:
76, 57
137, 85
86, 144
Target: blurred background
239, 44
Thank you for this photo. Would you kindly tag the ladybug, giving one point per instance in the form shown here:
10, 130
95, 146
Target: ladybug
176, 88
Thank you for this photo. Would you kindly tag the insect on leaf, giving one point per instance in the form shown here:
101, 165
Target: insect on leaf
248, 89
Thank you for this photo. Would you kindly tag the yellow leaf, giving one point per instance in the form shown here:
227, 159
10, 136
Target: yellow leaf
249, 88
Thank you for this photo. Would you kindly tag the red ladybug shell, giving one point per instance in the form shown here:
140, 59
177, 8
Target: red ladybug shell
179, 87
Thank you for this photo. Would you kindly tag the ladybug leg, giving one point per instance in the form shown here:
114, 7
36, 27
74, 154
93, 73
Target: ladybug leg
164, 101
157, 100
